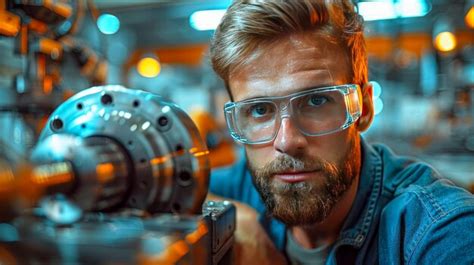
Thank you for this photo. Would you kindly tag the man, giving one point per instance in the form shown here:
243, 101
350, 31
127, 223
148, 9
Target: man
296, 72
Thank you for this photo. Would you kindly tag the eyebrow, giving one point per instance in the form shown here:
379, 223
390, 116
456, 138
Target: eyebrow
324, 85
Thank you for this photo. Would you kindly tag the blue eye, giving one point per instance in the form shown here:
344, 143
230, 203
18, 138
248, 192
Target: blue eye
259, 110
317, 100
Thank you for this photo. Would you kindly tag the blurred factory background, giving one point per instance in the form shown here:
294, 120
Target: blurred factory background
421, 57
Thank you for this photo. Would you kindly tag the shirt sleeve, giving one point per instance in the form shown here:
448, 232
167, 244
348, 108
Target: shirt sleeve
449, 239
428, 225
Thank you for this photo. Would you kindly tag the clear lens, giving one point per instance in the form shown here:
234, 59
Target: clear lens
319, 112
256, 120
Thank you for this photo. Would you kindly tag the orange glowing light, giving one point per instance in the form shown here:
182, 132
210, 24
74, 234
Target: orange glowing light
159, 160
196, 153
149, 67
54, 174
469, 19
105, 172
203, 153
48, 85
6, 178
170, 255
445, 41
199, 233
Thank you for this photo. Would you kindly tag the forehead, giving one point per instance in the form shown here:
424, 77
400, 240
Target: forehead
288, 65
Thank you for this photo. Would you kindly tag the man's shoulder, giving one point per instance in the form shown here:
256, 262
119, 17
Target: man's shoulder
423, 214
432, 202
428, 223
401, 172
407, 180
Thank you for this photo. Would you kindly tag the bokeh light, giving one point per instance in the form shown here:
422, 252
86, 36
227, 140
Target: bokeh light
149, 67
206, 19
376, 89
108, 24
378, 106
445, 41
470, 18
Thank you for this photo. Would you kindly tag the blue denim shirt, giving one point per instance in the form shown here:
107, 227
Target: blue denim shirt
404, 213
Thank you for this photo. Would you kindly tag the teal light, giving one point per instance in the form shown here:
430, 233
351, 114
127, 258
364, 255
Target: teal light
108, 24
390, 9
378, 106
377, 10
376, 89
206, 19
411, 8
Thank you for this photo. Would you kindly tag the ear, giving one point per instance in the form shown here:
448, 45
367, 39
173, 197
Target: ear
363, 123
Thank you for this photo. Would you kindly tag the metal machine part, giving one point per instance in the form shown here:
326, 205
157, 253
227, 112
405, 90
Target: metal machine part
99, 173
221, 220
127, 148
50, 12
120, 176
115, 239
9, 21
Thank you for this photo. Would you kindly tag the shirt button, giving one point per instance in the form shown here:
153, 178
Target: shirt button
359, 238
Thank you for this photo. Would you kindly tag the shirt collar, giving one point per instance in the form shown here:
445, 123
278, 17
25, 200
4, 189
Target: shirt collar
361, 216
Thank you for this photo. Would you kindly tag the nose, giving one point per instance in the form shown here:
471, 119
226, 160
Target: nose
289, 139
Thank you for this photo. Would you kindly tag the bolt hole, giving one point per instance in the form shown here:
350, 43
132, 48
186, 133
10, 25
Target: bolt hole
176, 207
179, 147
83, 126
130, 142
185, 178
79, 106
136, 103
143, 160
163, 121
106, 99
57, 124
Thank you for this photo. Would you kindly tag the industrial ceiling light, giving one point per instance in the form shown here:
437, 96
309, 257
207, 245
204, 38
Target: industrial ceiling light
391, 9
206, 19
376, 10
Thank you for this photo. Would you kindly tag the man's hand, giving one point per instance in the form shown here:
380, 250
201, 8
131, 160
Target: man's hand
252, 244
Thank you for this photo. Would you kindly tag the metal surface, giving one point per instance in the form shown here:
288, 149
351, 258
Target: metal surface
154, 140
221, 219
51, 12
120, 176
99, 175
126, 239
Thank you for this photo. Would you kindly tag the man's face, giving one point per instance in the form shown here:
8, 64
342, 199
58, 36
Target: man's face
300, 178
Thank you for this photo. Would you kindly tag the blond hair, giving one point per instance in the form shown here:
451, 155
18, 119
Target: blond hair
250, 23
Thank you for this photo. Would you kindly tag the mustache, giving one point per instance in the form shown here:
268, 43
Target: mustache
286, 163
